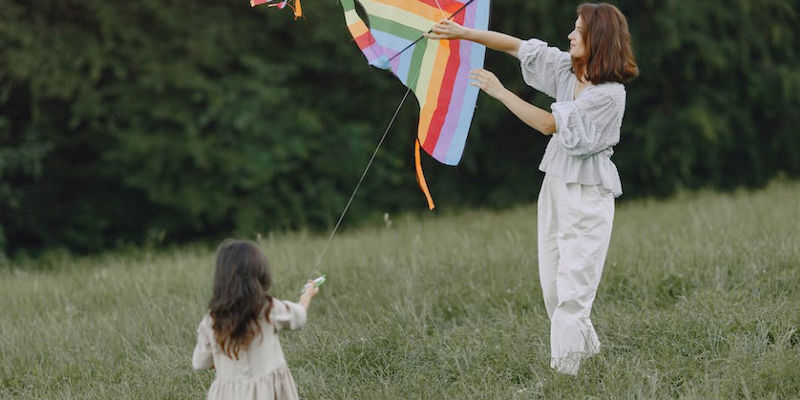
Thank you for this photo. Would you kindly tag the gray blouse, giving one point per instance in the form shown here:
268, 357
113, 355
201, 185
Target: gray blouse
587, 127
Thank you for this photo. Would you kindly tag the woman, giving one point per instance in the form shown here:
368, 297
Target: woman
576, 201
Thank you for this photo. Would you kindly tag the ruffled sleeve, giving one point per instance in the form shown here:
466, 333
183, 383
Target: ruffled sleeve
203, 357
544, 68
287, 315
589, 124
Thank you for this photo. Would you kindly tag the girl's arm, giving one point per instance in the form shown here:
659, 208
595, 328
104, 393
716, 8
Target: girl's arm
202, 357
447, 29
531, 115
309, 293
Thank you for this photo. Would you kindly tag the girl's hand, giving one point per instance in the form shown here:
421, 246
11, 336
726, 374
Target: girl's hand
310, 289
447, 30
487, 82
309, 292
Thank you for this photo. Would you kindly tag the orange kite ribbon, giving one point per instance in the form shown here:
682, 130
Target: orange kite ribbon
421, 177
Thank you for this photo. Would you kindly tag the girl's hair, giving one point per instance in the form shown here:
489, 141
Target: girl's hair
241, 281
608, 56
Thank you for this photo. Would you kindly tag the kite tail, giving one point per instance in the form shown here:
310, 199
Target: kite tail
298, 10
421, 177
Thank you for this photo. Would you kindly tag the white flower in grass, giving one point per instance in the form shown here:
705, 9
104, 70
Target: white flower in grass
387, 221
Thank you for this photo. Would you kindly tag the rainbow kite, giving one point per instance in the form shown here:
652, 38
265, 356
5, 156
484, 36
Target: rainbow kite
437, 71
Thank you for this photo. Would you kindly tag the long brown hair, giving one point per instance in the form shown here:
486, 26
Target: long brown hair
609, 55
241, 281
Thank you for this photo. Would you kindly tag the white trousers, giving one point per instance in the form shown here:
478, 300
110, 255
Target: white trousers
574, 229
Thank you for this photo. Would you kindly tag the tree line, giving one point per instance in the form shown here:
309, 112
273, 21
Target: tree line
165, 121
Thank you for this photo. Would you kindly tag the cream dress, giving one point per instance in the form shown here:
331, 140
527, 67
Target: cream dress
261, 371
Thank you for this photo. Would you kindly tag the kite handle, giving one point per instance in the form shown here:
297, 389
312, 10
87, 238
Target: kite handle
316, 282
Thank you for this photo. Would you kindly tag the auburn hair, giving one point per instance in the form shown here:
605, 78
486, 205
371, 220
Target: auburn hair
241, 280
608, 55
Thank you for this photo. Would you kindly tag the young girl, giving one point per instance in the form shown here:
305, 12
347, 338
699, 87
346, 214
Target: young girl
576, 201
237, 336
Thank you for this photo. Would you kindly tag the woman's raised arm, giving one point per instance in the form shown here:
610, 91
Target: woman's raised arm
448, 30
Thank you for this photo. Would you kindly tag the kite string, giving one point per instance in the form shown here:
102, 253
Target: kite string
440, 9
369, 164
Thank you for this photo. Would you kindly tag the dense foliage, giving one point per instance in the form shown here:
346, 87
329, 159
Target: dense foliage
165, 120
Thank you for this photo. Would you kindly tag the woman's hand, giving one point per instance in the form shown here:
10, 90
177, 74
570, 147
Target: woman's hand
487, 82
447, 30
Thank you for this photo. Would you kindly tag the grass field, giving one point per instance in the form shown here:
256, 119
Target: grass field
700, 299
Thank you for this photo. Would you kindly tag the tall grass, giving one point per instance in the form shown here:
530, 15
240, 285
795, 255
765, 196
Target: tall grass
699, 300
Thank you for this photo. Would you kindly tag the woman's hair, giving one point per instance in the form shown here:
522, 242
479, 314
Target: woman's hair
241, 281
608, 56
